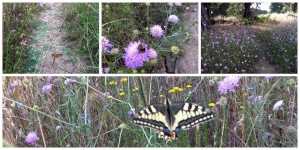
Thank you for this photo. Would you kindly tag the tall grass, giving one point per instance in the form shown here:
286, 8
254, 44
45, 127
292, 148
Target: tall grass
18, 22
88, 117
83, 29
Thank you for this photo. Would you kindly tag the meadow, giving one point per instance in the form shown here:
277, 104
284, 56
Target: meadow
34, 31
148, 37
96, 111
268, 45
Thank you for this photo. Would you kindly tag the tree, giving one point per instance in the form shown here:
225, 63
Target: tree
276, 7
205, 17
247, 12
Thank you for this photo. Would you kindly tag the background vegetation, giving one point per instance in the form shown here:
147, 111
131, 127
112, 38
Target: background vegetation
88, 116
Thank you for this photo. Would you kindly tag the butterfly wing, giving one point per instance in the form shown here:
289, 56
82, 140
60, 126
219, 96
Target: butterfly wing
152, 116
187, 115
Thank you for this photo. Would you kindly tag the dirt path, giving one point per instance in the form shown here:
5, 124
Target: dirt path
49, 40
188, 63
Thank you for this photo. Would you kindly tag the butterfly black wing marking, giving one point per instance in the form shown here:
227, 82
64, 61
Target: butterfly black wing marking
190, 115
152, 116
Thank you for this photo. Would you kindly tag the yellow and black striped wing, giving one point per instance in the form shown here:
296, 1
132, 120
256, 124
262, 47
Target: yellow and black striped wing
190, 115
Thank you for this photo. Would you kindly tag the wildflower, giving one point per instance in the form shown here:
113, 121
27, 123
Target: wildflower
58, 128
136, 53
211, 82
113, 83
135, 89
31, 138
161, 96
277, 105
152, 54
173, 19
170, 4
136, 32
178, 4
47, 88
171, 91
106, 70
48, 80
175, 88
124, 80
106, 45
36, 107
156, 31
180, 89
109, 97
242, 107
212, 105
122, 94
70, 81
106, 94
228, 84
42, 4
188, 86
175, 49
13, 85
268, 78
131, 112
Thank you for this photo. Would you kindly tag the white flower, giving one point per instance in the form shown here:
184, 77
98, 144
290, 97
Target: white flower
277, 105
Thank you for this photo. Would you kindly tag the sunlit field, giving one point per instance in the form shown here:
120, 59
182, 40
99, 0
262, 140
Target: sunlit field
97, 111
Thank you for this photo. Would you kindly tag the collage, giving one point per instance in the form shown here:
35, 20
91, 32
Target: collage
149, 74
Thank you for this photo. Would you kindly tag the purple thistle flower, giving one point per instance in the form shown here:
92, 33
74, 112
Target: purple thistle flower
152, 54
173, 19
131, 112
31, 138
12, 85
134, 57
106, 45
228, 84
48, 80
47, 88
156, 31
268, 78
69, 81
42, 4
106, 70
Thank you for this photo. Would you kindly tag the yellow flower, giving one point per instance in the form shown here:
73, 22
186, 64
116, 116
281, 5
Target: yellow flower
171, 91
180, 89
135, 89
124, 80
161, 95
113, 83
188, 86
109, 97
212, 105
245, 94
122, 94
242, 107
175, 49
175, 88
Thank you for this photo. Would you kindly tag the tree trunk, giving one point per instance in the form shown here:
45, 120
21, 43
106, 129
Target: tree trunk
247, 12
205, 19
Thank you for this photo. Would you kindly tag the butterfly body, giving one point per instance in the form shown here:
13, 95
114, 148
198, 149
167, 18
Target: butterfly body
170, 119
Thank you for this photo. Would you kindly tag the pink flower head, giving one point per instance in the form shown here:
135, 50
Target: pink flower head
173, 19
152, 54
106, 45
136, 53
228, 84
106, 70
156, 31
47, 88
31, 138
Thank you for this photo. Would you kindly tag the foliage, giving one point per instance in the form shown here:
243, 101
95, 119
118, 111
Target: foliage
83, 114
123, 23
83, 29
18, 22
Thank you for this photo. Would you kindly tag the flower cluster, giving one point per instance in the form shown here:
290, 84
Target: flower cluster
156, 31
137, 53
106, 45
31, 138
228, 84
173, 19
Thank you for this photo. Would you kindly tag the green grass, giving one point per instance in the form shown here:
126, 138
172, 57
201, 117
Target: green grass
83, 29
90, 119
18, 22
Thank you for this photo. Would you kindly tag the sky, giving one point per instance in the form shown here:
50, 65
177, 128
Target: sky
265, 6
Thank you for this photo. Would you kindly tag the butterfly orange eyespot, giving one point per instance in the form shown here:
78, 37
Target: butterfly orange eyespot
173, 134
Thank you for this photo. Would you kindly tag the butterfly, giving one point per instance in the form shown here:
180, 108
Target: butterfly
169, 119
